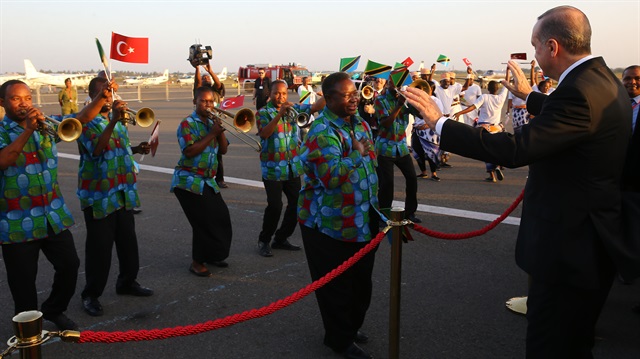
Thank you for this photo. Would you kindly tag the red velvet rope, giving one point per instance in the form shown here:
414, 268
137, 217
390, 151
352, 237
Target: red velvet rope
479, 232
154, 334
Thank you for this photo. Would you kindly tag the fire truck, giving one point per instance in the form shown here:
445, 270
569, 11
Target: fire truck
291, 73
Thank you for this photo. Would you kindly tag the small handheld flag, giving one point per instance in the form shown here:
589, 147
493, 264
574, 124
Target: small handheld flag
378, 70
400, 77
103, 59
349, 64
519, 56
466, 61
407, 62
233, 102
443, 60
305, 97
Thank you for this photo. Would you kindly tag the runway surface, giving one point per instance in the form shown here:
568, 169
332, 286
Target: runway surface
453, 292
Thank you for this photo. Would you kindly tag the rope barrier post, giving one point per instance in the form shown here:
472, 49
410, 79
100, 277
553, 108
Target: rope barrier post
29, 335
397, 215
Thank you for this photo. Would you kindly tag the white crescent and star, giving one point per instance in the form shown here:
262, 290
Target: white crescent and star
227, 103
130, 50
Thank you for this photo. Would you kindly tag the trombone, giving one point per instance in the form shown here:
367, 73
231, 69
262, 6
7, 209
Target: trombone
243, 122
302, 119
144, 117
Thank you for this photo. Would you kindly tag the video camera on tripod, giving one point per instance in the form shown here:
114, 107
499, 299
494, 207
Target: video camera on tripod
199, 54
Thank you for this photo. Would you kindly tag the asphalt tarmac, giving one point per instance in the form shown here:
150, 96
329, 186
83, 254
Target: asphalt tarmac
453, 292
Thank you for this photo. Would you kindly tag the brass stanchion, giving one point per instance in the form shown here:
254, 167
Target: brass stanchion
397, 216
29, 335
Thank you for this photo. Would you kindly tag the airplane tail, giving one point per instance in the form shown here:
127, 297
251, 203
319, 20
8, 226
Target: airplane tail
421, 66
165, 75
224, 72
30, 70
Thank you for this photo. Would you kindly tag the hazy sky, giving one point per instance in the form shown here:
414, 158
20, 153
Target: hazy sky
60, 35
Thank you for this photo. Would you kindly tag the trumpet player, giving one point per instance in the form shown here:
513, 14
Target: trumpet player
108, 193
33, 213
281, 166
200, 140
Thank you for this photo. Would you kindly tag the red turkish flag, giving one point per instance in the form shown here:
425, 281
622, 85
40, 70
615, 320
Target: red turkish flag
407, 62
233, 102
466, 61
519, 56
129, 49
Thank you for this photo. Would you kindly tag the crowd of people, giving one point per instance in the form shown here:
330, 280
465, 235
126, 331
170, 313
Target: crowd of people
578, 226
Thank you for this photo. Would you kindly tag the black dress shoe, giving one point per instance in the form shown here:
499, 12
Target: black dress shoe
134, 289
353, 351
221, 264
136, 210
414, 219
204, 273
62, 321
264, 249
92, 306
285, 245
361, 338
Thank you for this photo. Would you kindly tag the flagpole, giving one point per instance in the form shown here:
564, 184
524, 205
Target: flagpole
150, 138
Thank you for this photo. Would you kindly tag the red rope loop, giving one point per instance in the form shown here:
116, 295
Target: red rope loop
154, 334
457, 236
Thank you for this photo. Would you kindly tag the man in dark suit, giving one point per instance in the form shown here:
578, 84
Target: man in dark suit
570, 235
631, 171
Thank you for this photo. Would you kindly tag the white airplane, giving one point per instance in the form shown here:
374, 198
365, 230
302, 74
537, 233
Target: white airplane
149, 81
186, 80
222, 75
133, 80
38, 79
5, 78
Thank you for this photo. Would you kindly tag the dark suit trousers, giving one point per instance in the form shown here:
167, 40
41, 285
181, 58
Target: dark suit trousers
385, 176
562, 319
211, 224
275, 189
117, 228
344, 301
21, 263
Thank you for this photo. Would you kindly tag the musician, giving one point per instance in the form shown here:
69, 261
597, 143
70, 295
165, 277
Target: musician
200, 140
391, 149
108, 194
489, 109
261, 89
425, 143
337, 213
470, 96
210, 79
281, 167
33, 213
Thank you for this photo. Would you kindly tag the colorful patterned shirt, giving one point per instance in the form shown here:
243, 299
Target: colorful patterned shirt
30, 195
192, 173
340, 184
279, 158
106, 182
391, 141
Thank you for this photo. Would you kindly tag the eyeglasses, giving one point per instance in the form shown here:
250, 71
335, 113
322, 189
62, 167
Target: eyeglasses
349, 96
261, 73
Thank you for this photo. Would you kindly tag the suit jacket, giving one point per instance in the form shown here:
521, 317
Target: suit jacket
575, 147
631, 200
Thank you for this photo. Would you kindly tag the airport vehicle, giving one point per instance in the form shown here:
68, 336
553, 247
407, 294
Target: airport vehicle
37, 79
292, 73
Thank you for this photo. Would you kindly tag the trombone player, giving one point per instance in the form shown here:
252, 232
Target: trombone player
201, 139
106, 157
27, 152
281, 166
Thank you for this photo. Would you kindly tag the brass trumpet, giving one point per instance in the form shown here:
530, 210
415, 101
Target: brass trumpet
69, 129
367, 92
243, 122
144, 117
302, 119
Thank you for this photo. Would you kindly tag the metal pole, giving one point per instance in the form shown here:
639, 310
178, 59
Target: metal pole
27, 327
397, 215
167, 90
139, 93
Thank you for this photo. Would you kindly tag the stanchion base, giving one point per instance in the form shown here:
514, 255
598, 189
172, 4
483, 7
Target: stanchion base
517, 305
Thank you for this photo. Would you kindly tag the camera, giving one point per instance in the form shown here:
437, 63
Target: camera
200, 55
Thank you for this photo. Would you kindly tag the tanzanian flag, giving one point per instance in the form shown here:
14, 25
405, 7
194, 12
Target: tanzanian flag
443, 60
305, 97
103, 59
400, 77
377, 70
349, 64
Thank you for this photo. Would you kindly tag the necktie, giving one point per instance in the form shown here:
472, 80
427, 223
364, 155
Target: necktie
634, 104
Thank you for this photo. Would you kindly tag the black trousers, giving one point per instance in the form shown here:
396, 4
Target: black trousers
562, 319
220, 170
385, 176
117, 228
21, 263
210, 222
422, 157
344, 301
275, 189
